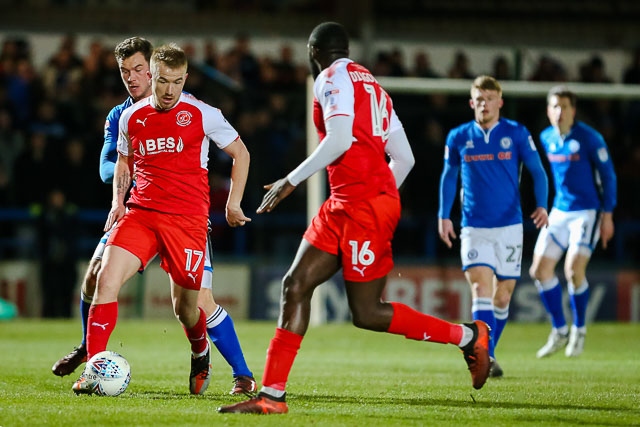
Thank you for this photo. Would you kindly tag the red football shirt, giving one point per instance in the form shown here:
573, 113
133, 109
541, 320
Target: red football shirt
347, 88
171, 150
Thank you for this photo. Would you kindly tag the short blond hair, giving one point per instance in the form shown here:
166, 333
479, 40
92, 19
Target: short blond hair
486, 83
171, 55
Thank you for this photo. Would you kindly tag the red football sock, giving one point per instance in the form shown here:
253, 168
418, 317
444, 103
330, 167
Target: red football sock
102, 320
197, 334
280, 356
422, 327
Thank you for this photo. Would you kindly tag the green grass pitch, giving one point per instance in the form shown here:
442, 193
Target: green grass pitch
342, 377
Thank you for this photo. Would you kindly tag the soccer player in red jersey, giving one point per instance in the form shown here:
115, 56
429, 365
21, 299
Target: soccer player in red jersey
164, 140
358, 128
133, 55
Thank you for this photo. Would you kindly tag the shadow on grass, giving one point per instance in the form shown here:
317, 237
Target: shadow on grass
452, 403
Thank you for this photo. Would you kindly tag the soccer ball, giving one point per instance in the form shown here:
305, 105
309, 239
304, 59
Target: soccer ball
111, 372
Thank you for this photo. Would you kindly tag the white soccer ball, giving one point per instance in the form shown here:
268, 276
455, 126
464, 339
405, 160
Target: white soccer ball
111, 371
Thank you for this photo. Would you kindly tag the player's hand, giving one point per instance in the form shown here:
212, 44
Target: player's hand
606, 228
117, 211
445, 229
235, 216
540, 217
276, 192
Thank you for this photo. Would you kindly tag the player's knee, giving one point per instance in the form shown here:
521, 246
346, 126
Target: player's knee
574, 276
293, 289
206, 301
501, 300
362, 320
186, 314
540, 272
367, 317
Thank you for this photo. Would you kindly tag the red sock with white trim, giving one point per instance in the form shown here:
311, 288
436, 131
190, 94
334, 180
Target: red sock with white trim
282, 352
197, 335
422, 327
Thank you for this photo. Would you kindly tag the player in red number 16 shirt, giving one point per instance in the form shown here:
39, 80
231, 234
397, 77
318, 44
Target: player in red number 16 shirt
358, 128
164, 141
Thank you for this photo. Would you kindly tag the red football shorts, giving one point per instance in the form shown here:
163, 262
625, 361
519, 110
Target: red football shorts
359, 232
179, 240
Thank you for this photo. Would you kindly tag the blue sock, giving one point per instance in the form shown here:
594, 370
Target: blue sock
223, 335
85, 305
551, 295
482, 309
579, 298
501, 315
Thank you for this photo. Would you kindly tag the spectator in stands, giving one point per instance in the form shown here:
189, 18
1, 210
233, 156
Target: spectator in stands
87, 191
629, 207
593, 71
548, 70
47, 122
382, 65
63, 69
90, 81
599, 112
5, 188
422, 66
24, 91
460, 69
396, 59
632, 72
13, 50
632, 116
285, 68
211, 53
11, 142
32, 170
248, 64
501, 69
58, 255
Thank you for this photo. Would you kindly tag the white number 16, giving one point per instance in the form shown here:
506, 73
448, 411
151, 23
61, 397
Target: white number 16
364, 255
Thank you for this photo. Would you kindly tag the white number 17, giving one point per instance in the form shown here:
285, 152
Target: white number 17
194, 258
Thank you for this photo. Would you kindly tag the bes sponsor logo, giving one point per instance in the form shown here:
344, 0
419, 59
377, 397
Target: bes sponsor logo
161, 145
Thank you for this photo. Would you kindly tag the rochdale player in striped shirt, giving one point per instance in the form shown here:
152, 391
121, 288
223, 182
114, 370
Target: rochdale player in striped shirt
582, 212
488, 153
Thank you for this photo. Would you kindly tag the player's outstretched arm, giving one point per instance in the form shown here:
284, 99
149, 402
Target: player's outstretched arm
276, 192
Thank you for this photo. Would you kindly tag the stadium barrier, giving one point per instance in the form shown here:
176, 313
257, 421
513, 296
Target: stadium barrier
252, 291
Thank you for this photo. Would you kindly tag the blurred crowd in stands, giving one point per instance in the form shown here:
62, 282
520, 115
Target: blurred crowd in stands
52, 119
